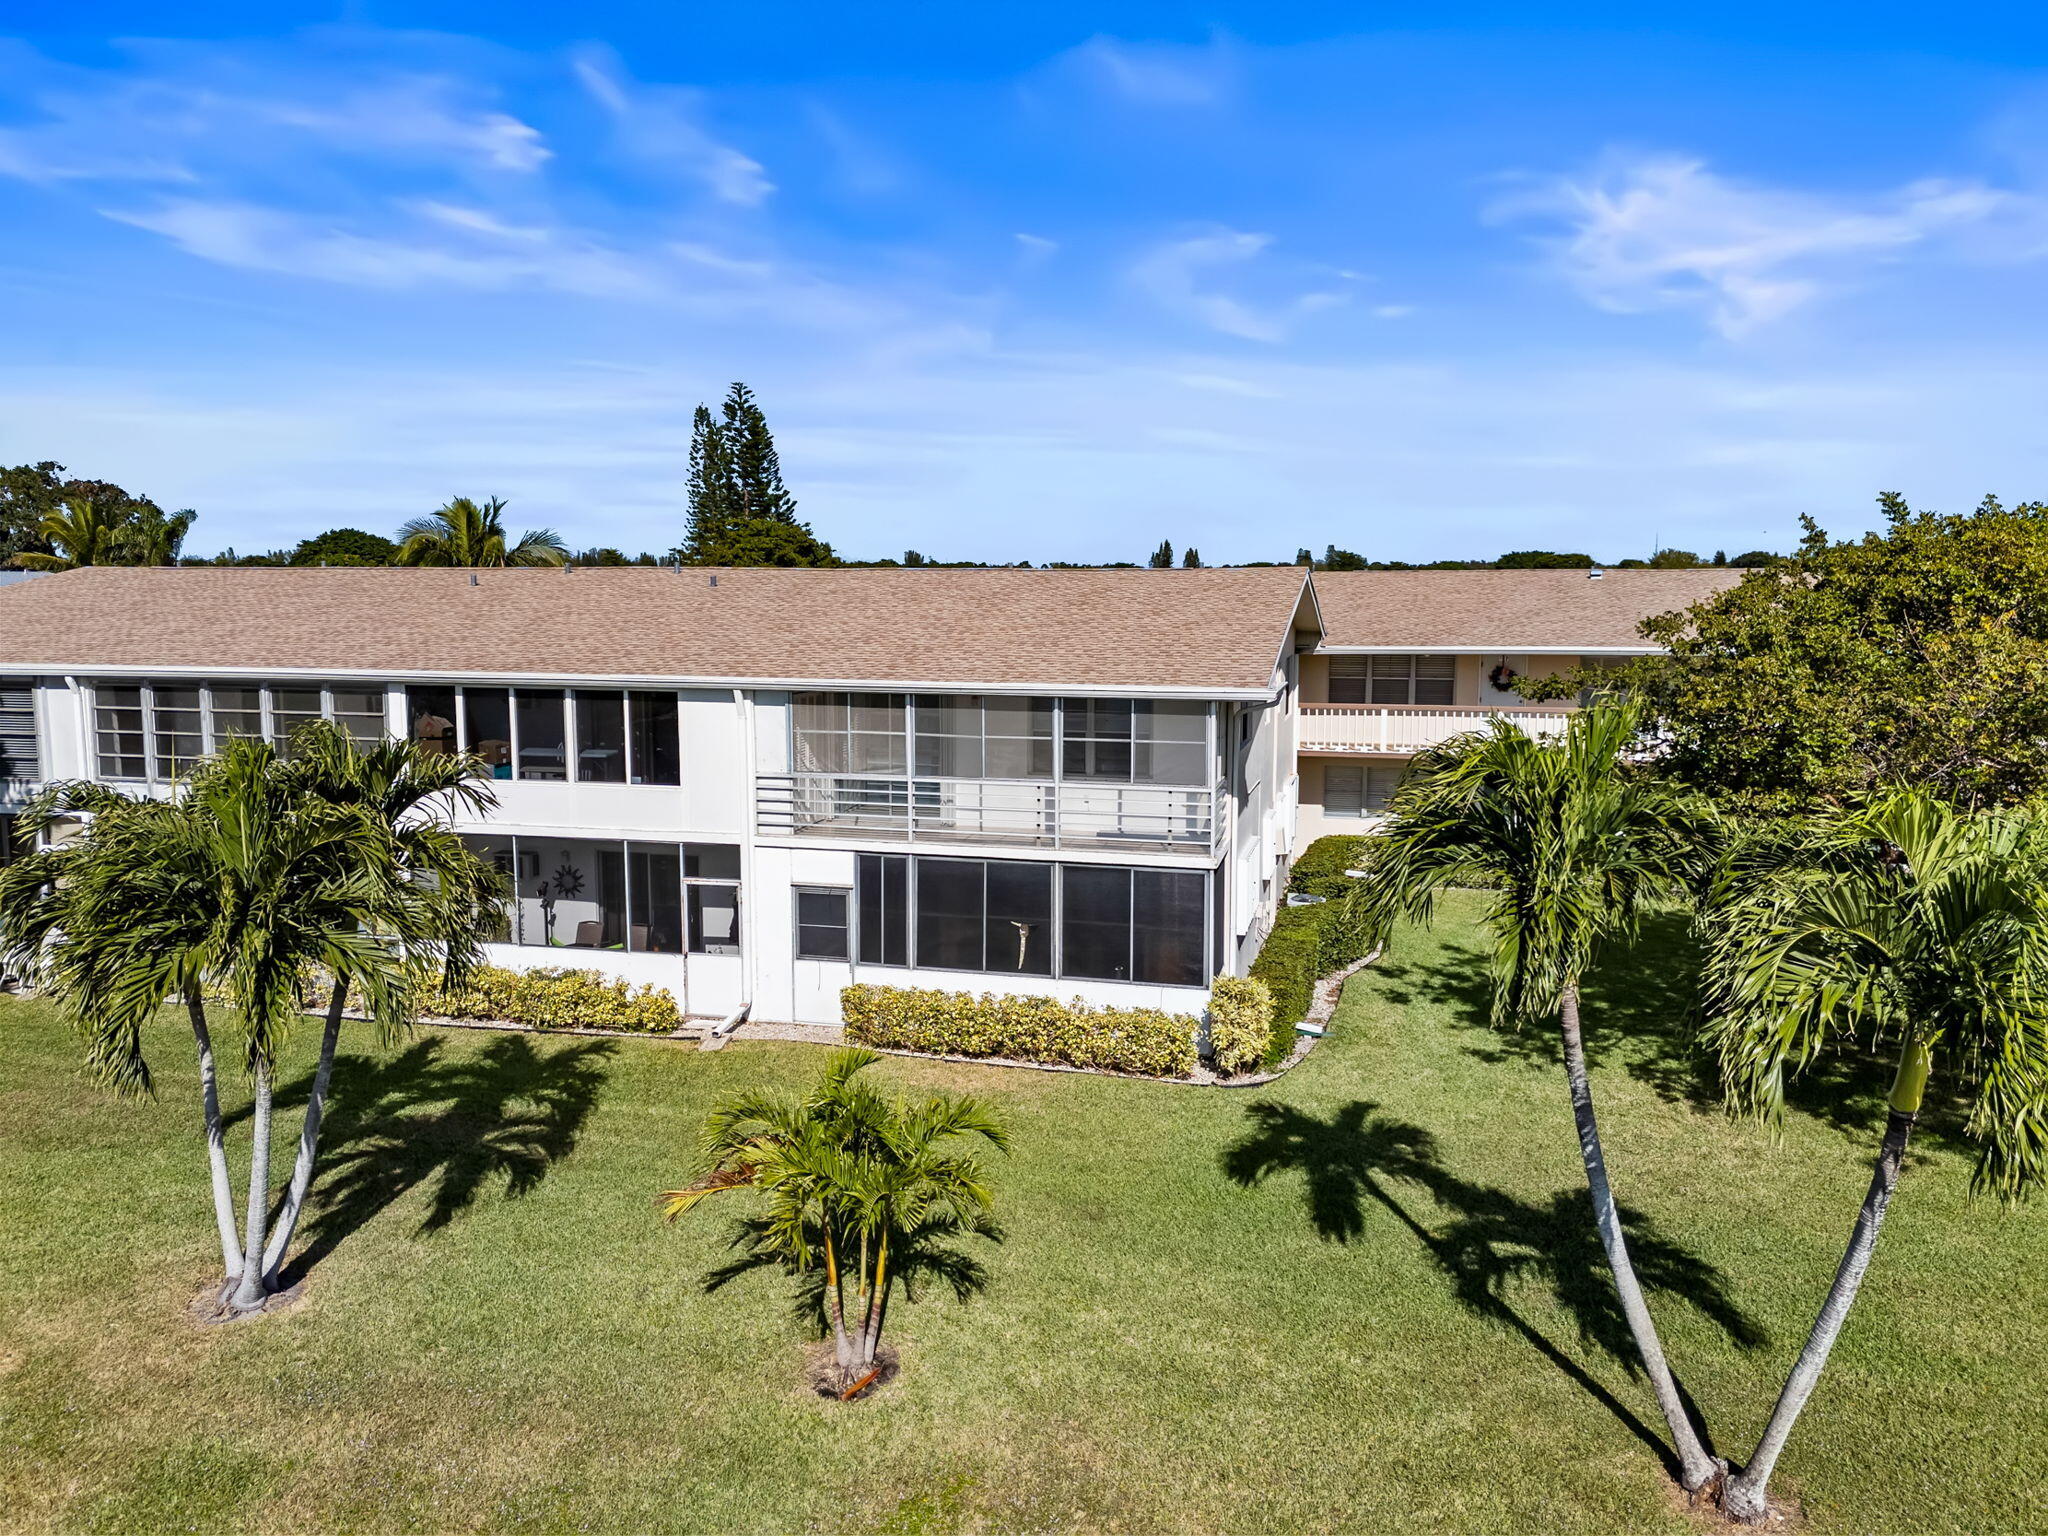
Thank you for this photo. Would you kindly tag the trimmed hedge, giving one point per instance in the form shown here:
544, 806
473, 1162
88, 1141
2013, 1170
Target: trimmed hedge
553, 998
1146, 1041
1240, 1023
1308, 943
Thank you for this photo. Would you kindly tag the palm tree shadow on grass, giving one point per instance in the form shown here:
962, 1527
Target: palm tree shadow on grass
1494, 1243
1641, 1016
456, 1125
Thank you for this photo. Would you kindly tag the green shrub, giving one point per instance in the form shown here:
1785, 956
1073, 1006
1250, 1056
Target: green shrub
1320, 869
1147, 1041
1287, 965
552, 998
1240, 1023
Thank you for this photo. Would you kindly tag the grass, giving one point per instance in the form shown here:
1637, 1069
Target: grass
1362, 1298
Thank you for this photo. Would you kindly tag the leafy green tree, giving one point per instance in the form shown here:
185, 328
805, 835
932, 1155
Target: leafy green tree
1674, 560
466, 534
29, 493
151, 536
1571, 837
851, 1178
1162, 557
345, 546
769, 541
84, 531
1904, 924
1335, 559
1542, 560
1915, 655
258, 873
1756, 559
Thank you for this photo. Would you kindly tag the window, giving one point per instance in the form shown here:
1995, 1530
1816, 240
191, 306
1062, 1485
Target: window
711, 874
572, 893
821, 924
1142, 741
180, 738
540, 718
430, 719
232, 711
850, 733
654, 896
1348, 679
1359, 789
118, 733
970, 736
487, 727
360, 712
1411, 679
999, 916
600, 736
655, 737
18, 734
882, 881
291, 708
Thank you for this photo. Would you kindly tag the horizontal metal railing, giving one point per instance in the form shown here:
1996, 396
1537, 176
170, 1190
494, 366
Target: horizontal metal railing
1396, 728
1156, 818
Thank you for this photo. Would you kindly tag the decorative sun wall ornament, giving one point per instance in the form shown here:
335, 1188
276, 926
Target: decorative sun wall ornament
569, 882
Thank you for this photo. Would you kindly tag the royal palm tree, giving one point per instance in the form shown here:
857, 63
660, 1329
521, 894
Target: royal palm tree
241, 885
1908, 925
850, 1176
1571, 838
466, 534
86, 532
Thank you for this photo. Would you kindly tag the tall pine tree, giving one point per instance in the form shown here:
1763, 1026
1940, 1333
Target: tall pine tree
740, 512
713, 509
1162, 557
756, 471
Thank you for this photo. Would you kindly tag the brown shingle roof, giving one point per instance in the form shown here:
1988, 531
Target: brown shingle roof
1179, 629
1503, 610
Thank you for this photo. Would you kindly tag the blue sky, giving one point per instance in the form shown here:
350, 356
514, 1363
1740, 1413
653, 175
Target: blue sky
1049, 285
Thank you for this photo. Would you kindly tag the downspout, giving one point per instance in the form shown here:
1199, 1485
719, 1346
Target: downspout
750, 949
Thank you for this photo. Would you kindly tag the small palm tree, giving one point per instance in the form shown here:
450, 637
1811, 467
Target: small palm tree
244, 883
152, 536
850, 1176
86, 532
466, 534
1907, 924
1572, 839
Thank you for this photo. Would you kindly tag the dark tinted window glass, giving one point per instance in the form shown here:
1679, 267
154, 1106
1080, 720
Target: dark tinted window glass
600, 736
117, 722
430, 718
179, 745
949, 914
1019, 933
657, 900
542, 737
711, 861
1347, 679
291, 708
714, 919
487, 718
657, 756
1166, 929
881, 883
1095, 922
821, 925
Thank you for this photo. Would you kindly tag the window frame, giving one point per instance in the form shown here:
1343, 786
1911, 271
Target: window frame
845, 896
211, 740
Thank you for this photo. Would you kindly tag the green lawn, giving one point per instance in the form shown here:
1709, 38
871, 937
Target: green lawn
1397, 1325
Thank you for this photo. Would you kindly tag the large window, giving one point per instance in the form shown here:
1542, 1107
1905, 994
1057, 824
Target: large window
975, 736
1359, 789
1393, 679
643, 898
159, 730
1139, 741
1009, 916
850, 733
594, 735
823, 923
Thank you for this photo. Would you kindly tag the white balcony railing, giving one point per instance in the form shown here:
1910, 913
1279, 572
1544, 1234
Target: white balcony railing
1401, 728
1140, 818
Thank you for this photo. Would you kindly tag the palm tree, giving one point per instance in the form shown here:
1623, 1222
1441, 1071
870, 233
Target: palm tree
152, 536
86, 532
851, 1176
246, 882
465, 534
1571, 838
1908, 924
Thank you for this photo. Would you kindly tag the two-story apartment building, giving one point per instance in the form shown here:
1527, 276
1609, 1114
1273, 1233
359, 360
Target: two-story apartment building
1412, 658
751, 786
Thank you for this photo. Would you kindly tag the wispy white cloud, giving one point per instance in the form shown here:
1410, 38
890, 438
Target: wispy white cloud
1660, 232
658, 125
1157, 74
1178, 275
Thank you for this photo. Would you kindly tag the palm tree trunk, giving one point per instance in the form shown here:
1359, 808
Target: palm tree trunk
309, 1141
1748, 1496
216, 1143
871, 1330
842, 1346
250, 1291
1696, 1468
